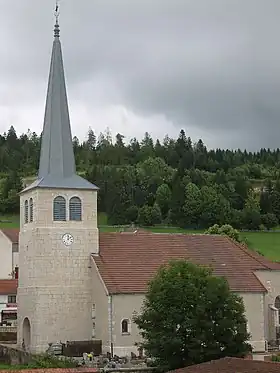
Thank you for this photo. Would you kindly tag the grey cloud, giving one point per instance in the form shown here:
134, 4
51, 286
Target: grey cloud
211, 64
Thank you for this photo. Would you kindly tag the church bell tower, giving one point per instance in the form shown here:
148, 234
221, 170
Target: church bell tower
58, 232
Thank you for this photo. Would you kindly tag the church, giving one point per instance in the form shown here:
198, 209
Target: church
78, 284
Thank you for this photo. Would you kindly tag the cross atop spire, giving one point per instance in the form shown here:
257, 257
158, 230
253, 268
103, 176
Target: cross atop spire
56, 27
57, 163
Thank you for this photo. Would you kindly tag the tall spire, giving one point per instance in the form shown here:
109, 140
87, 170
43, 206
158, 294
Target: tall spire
57, 163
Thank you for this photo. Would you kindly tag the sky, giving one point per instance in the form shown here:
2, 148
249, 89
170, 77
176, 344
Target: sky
211, 67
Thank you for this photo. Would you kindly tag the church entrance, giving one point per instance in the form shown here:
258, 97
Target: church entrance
26, 333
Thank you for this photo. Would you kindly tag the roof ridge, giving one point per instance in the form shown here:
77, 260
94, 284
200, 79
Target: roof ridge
255, 256
247, 251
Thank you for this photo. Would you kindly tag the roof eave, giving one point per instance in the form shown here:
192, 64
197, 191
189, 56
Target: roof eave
37, 185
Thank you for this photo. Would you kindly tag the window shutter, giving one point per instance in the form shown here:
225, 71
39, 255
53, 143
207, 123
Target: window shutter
59, 209
75, 209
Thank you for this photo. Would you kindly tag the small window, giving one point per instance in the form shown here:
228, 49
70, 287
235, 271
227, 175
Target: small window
125, 326
12, 299
93, 311
75, 209
26, 212
59, 209
16, 273
31, 210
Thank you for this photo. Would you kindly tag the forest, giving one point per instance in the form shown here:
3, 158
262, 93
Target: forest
175, 182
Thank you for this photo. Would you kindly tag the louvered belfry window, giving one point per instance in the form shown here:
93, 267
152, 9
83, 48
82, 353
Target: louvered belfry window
31, 210
26, 212
75, 209
59, 209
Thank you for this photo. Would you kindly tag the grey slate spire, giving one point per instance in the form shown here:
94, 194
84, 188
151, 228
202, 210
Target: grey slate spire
57, 163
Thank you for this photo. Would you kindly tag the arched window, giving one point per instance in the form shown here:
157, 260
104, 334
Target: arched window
75, 209
125, 326
26, 212
59, 209
31, 210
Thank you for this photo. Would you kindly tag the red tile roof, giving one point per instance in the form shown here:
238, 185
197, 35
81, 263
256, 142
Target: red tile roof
127, 261
8, 287
11, 233
232, 365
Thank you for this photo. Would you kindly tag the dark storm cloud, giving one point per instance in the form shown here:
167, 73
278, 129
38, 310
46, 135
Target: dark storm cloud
209, 64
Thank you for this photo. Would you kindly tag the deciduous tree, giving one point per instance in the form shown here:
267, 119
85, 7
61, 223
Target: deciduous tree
190, 316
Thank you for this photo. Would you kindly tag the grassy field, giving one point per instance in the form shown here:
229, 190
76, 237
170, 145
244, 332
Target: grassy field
12, 367
268, 243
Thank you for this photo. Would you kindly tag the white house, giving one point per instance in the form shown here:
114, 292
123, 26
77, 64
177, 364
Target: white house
9, 253
8, 291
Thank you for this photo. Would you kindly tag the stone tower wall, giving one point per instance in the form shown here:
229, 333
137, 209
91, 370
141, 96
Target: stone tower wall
55, 291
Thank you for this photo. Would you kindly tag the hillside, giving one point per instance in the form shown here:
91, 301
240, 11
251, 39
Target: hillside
175, 183
266, 243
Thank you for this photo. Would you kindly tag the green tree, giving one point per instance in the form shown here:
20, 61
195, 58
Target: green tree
132, 214
226, 230
9, 196
163, 198
269, 220
275, 203
177, 201
252, 213
192, 206
145, 216
241, 192
156, 214
190, 316
214, 206
265, 202
91, 140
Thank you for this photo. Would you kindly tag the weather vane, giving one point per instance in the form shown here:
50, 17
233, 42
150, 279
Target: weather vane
56, 12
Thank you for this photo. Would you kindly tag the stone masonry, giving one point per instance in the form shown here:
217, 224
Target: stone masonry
55, 284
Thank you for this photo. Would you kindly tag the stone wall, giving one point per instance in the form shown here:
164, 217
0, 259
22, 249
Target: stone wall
57, 307
13, 356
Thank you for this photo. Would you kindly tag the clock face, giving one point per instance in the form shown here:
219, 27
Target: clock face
67, 239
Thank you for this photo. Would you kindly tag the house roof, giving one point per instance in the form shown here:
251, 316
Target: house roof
8, 287
127, 261
11, 233
232, 365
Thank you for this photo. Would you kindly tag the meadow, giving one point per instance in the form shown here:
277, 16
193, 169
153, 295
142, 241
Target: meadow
265, 242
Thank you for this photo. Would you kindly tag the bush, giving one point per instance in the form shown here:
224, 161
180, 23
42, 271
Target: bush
226, 230
46, 361
269, 221
149, 216
132, 214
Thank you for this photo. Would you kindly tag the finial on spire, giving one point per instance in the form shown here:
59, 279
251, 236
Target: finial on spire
56, 14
